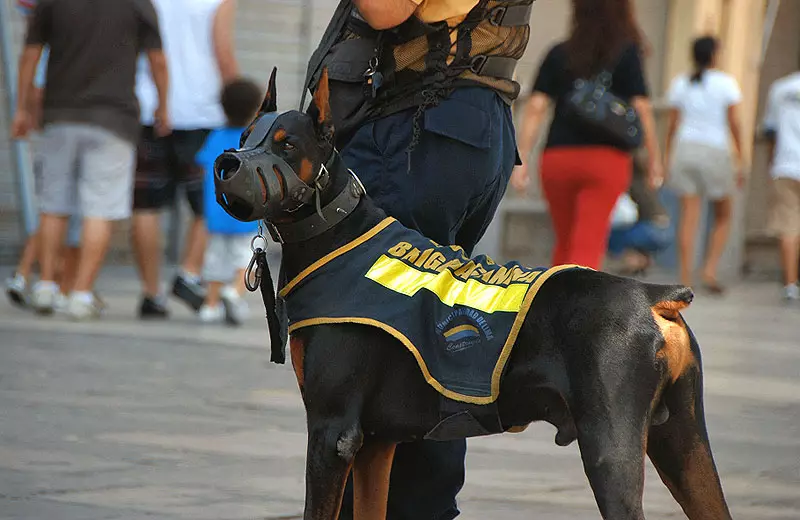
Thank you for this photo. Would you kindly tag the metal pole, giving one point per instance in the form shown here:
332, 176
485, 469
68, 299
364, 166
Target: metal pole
21, 149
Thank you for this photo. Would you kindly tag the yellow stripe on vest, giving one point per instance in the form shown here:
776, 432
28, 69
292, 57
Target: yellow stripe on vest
399, 277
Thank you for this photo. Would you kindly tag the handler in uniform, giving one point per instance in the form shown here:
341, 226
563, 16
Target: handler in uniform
420, 95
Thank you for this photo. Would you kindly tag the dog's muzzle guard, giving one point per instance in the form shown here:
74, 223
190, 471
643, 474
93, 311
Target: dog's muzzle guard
252, 183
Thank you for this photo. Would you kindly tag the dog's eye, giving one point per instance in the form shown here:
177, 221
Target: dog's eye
287, 146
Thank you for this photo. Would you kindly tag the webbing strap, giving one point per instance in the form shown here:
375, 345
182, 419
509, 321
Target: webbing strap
494, 66
331, 35
511, 16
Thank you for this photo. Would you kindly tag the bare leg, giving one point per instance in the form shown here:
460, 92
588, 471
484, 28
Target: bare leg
94, 245
687, 228
195, 247
52, 229
790, 256
29, 254
69, 269
238, 281
371, 471
146, 233
212, 296
723, 209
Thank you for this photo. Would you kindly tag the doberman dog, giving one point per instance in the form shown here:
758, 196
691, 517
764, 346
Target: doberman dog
608, 361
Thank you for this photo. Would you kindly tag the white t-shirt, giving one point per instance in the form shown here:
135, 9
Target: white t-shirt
194, 79
783, 118
704, 107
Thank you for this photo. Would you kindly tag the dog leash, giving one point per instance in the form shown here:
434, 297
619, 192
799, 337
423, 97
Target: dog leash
258, 276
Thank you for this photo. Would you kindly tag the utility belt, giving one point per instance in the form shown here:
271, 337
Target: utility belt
360, 63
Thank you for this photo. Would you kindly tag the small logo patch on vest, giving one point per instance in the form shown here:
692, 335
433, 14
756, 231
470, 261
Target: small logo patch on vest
464, 328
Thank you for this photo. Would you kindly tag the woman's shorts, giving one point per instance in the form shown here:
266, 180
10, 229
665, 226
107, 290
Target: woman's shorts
699, 169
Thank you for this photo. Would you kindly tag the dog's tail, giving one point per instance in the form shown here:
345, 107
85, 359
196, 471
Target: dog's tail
666, 303
668, 300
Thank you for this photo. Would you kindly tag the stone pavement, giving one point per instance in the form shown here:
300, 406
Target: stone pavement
127, 420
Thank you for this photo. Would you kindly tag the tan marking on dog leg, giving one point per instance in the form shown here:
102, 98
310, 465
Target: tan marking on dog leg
699, 476
371, 471
676, 350
334, 502
298, 354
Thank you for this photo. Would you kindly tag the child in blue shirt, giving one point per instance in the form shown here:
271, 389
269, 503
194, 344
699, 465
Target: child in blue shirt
228, 250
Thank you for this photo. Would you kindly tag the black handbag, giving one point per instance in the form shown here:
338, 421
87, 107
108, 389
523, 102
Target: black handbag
604, 115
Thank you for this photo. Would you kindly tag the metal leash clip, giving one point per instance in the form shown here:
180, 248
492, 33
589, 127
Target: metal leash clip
255, 269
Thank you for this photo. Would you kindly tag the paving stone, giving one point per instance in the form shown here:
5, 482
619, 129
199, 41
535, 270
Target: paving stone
127, 420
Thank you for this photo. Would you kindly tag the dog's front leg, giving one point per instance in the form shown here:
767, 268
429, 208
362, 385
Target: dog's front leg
371, 473
331, 450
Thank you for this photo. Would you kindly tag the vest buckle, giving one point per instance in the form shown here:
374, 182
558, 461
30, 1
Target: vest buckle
496, 15
477, 62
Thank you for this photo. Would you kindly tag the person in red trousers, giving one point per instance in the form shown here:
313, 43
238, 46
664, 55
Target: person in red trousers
581, 175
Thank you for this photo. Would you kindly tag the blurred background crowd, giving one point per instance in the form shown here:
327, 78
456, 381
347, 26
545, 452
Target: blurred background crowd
707, 200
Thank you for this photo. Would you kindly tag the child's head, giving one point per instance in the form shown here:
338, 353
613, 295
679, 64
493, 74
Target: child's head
241, 100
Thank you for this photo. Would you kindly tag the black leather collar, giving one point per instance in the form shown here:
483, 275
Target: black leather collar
327, 216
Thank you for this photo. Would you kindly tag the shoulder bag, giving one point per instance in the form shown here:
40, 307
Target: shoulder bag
599, 112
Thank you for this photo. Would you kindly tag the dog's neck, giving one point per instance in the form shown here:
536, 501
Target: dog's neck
297, 255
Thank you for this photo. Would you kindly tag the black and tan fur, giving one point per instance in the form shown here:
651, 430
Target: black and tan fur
608, 361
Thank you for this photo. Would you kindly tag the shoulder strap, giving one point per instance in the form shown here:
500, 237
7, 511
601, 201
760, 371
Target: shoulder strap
332, 33
606, 75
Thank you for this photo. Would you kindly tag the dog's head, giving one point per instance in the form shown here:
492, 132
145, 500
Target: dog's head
282, 163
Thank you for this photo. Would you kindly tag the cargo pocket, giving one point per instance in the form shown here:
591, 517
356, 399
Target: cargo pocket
461, 122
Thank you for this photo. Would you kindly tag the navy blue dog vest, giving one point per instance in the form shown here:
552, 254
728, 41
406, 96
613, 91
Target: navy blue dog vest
458, 316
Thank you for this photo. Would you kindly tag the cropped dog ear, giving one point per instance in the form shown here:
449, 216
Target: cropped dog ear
320, 109
270, 103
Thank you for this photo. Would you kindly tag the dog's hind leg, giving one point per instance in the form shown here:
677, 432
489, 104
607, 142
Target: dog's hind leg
371, 472
611, 406
680, 450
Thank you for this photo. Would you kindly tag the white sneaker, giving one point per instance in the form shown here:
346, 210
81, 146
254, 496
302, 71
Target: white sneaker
214, 314
61, 303
791, 293
79, 309
17, 290
43, 298
236, 308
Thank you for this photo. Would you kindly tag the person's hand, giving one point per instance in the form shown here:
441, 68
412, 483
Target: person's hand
161, 122
21, 125
655, 175
520, 179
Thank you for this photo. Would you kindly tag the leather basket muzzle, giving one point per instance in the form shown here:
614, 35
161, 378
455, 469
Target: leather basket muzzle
243, 187
253, 183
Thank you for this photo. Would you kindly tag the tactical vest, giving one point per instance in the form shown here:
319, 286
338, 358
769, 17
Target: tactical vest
376, 73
